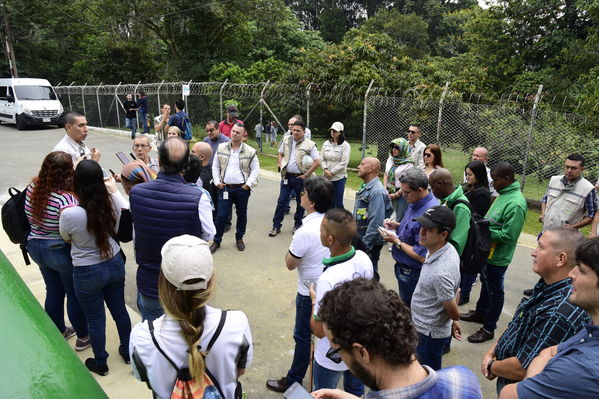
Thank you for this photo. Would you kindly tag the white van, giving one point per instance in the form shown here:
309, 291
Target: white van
27, 102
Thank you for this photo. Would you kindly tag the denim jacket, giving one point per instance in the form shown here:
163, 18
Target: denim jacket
372, 206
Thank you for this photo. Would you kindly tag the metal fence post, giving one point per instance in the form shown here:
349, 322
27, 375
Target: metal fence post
533, 117
117, 103
308, 103
136, 112
69, 95
185, 97
364, 120
441, 110
83, 98
98, 101
262, 99
221, 98
158, 94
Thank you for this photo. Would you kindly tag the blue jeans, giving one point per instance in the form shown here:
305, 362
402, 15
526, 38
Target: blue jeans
407, 278
339, 186
259, 141
149, 308
143, 120
94, 285
430, 350
301, 335
466, 282
325, 378
490, 302
131, 123
240, 198
401, 205
54, 260
295, 185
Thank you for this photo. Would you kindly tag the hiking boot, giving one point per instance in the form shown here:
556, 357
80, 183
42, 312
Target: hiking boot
94, 367
82, 344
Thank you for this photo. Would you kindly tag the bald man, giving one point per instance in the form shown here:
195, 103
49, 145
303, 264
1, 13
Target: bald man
482, 154
371, 208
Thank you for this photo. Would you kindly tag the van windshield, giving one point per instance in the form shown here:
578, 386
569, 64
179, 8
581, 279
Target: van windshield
35, 93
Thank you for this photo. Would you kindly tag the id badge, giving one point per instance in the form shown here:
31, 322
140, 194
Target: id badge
285, 182
226, 195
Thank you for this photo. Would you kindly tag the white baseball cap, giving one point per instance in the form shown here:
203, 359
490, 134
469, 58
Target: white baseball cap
185, 258
338, 126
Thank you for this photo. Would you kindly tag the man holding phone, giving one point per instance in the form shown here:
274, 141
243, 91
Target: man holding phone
73, 141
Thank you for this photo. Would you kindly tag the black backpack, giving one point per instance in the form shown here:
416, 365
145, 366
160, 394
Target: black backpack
478, 243
14, 220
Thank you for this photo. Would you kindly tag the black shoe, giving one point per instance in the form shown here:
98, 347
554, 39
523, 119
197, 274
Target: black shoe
295, 229
278, 385
126, 357
463, 301
481, 336
227, 227
274, 232
94, 367
214, 247
287, 211
472, 317
240, 245
447, 349
527, 292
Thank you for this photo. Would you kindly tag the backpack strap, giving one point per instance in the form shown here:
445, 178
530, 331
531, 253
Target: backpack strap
151, 328
461, 201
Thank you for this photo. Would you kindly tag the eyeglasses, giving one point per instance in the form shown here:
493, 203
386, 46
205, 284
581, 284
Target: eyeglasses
395, 147
139, 145
210, 130
334, 355
412, 131
428, 155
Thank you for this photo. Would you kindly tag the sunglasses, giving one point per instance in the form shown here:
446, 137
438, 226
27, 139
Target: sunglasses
334, 355
428, 155
412, 131
395, 147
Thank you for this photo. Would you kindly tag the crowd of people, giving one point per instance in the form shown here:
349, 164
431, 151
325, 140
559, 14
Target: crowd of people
179, 207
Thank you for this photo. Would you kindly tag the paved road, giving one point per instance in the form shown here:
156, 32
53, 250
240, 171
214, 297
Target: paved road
255, 281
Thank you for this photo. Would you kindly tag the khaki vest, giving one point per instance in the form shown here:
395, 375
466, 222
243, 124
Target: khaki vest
565, 204
302, 148
246, 154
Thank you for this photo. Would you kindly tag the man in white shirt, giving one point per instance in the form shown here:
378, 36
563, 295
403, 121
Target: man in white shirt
305, 255
73, 141
235, 170
416, 146
161, 121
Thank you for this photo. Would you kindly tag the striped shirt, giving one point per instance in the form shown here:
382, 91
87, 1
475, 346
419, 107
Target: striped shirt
448, 383
48, 228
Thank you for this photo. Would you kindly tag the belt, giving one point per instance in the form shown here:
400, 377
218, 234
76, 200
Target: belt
287, 174
233, 185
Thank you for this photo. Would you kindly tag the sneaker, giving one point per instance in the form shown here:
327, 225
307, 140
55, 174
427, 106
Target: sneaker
94, 367
82, 344
274, 232
68, 332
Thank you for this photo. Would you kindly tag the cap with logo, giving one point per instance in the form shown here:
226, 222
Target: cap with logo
437, 216
186, 258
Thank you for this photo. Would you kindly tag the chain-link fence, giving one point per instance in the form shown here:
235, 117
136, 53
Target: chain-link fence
523, 131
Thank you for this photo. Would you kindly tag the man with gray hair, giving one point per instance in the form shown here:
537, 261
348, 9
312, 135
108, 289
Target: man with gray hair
407, 252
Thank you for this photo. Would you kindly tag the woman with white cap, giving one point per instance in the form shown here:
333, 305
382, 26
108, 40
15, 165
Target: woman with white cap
335, 157
191, 334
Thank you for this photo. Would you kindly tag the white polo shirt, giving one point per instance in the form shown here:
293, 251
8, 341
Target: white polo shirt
357, 266
307, 247
71, 147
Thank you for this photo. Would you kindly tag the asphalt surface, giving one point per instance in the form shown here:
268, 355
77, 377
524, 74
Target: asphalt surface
256, 280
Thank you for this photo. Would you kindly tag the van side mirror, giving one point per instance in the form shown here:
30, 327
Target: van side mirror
10, 99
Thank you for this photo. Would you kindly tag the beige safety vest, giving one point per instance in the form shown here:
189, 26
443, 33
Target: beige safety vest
246, 154
302, 148
565, 204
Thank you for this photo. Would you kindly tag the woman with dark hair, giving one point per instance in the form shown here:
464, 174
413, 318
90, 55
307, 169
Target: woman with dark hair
398, 162
476, 189
335, 157
46, 197
99, 268
432, 158
182, 336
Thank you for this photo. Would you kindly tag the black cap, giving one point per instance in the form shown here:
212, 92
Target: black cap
437, 216
233, 111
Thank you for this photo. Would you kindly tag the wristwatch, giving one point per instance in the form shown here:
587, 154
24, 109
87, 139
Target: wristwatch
398, 245
489, 372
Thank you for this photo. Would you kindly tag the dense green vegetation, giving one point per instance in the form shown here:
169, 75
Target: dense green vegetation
511, 46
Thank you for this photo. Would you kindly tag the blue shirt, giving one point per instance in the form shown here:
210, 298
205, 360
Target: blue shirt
142, 102
214, 144
448, 383
409, 231
572, 373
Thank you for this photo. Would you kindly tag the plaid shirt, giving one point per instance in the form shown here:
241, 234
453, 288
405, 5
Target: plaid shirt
545, 319
449, 383
590, 202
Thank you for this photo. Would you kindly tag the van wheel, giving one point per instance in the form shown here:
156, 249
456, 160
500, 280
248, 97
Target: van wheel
19, 122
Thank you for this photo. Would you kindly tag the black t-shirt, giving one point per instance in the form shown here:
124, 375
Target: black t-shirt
128, 105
